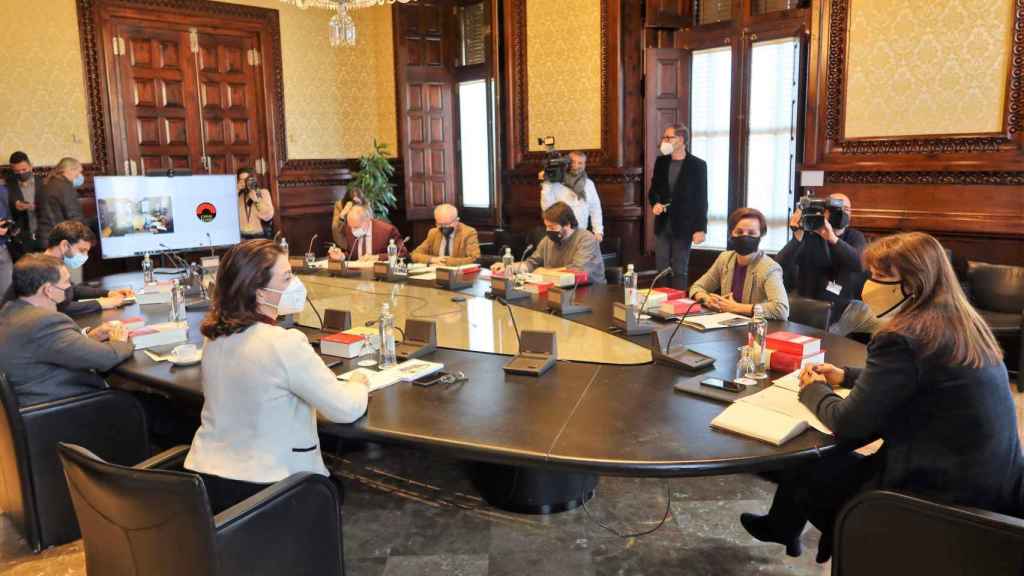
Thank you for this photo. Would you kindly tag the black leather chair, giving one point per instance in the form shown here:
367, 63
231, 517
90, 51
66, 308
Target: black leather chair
997, 292
884, 533
810, 312
33, 493
153, 520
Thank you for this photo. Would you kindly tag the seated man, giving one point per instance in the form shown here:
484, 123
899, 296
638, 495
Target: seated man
826, 265
367, 237
44, 354
71, 241
565, 246
451, 243
743, 276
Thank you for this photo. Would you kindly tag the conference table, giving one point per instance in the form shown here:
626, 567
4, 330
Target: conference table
536, 444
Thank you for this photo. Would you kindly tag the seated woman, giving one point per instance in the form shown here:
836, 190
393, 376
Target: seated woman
261, 383
743, 276
934, 388
564, 246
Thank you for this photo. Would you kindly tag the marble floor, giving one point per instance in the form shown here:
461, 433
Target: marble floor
409, 515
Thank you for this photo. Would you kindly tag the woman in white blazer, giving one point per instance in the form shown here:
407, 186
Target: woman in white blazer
262, 384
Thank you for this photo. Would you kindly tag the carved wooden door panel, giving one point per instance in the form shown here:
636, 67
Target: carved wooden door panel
426, 79
156, 84
229, 104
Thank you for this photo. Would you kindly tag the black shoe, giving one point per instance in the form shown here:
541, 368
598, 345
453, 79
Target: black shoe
761, 528
824, 550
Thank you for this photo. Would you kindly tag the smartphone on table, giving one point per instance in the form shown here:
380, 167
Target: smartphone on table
727, 385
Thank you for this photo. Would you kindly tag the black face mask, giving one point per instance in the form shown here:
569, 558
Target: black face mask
25, 176
555, 236
447, 231
744, 245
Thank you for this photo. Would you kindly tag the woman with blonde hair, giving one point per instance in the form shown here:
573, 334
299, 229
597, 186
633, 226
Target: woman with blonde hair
933, 388
58, 199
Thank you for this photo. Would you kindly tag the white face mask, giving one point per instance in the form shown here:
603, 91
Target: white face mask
359, 232
666, 148
293, 298
884, 298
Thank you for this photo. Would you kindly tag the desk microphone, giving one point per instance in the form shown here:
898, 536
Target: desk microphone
311, 241
178, 260
515, 327
525, 252
667, 270
315, 311
276, 236
668, 346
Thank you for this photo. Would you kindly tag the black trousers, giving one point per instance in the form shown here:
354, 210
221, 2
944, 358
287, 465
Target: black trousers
224, 493
816, 492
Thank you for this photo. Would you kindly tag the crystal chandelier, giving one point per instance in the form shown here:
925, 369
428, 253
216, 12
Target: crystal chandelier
341, 28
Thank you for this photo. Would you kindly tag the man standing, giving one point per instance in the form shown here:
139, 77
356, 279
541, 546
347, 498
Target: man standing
44, 354
578, 192
367, 237
22, 188
679, 200
451, 243
826, 265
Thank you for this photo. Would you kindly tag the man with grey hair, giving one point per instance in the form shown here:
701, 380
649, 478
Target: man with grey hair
366, 237
578, 192
679, 201
450, 243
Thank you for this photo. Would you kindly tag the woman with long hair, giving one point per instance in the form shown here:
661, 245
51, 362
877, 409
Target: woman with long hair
339, 223
57, 201
262, 384
933, 388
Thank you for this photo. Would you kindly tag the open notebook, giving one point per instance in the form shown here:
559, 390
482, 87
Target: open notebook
774, 415
405, 372
705, 322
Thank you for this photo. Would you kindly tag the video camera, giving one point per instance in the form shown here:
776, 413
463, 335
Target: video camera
812, 212
11, 226
555, 163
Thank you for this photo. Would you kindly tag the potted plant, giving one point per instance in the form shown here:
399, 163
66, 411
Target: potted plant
374, 179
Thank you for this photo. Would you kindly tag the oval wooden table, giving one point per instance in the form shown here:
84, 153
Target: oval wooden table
604, 409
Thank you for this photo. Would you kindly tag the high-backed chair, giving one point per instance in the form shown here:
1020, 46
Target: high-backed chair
155, 520
997, 292
33, 493
810, 312
885, 533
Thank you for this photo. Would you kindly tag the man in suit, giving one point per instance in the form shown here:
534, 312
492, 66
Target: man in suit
43, 352
70, 241
367, 237
22, 188
679, 201
451, 243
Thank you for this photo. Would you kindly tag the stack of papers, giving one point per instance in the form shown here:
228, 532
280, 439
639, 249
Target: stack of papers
774, 415
405, 372
715, 321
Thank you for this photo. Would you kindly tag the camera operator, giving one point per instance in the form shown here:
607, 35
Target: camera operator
825, 264
255, 210
578, 192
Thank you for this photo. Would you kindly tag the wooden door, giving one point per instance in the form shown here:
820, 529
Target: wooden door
229, 103
156, 84
426, 79
666, 101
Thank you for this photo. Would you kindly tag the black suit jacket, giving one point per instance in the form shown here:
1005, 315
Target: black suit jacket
950, 432
808, 265
24, 243
688, 196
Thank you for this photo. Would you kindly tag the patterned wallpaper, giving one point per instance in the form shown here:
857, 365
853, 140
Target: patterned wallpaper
336, 99
42, 90
921, 67
563, 67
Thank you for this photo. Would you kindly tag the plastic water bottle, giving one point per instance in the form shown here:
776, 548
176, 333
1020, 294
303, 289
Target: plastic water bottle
508, 262
386, 330
756, 336
284, 245
629, 280
178, 312
392, 256
147, 269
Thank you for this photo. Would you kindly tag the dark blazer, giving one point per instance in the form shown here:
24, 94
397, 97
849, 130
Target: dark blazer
24, 240
950, 432
46, 357
688, 196
382, 232
56, 202
808, 265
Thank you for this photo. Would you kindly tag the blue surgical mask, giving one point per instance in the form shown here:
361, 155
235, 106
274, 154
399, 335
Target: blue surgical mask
75, 260
78, 181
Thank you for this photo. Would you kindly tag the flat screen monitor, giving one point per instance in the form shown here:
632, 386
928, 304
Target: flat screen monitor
140, 214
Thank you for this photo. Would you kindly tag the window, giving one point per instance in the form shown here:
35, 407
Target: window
711, 87
711, 11
475, 144
771, 140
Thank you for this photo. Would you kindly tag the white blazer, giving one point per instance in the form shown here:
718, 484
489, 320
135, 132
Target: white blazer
262, 387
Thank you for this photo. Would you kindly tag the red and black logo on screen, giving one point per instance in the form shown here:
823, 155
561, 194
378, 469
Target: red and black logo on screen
206, 212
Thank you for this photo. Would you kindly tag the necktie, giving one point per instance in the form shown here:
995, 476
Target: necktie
448, 246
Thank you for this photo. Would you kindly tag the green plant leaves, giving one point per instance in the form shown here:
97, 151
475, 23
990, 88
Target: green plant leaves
374, 179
